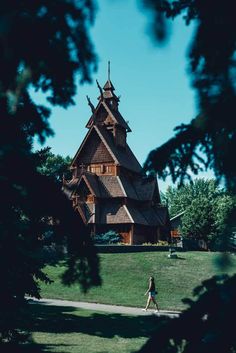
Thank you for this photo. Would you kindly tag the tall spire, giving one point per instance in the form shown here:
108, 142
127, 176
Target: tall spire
108, 85
109, 70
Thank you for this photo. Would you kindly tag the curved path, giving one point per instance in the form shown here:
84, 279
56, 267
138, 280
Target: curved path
117, 309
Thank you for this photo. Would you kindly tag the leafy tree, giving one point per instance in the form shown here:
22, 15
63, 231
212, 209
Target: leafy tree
54, 166
206, 210
224, 211
197, 221
44, 45
179, 199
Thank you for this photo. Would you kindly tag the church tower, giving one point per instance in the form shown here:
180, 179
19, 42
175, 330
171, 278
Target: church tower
108, 187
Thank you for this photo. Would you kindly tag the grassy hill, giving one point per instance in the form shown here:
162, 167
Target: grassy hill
125, 278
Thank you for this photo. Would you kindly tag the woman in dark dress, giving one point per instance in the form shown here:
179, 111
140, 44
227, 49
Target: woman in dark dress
151, 294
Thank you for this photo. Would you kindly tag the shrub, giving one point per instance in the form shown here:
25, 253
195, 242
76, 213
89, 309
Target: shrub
159, 243
110, 237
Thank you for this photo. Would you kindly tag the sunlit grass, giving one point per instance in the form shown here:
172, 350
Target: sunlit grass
125, 278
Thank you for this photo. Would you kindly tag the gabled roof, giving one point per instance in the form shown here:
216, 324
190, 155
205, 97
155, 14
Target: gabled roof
69, 187
91, 183
140, 188
145, 188
115, 115
108, 86
123, 157
114, 213
110, 186
156, 215
151, 216
111, 213
87, 212
88, 178
94, 128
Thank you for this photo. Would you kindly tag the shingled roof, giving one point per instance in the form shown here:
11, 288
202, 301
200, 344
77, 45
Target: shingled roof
121, 156
113, 213
113, 113
69, 187
147, 216
140, 188
108, 186
124, 156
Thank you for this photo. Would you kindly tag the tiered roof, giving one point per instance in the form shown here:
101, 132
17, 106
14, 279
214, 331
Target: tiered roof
110, 189
125, 197
109, 186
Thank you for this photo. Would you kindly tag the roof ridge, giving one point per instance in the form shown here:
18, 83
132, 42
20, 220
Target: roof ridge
128, 212
106, 143
121, 185
83, 176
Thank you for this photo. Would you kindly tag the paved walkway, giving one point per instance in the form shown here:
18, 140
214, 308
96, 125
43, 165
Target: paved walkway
117, 309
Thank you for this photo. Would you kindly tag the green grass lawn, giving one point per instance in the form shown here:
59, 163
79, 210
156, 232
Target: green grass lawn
70, 330
125, 278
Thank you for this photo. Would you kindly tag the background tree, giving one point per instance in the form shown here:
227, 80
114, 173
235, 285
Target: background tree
206, 209
179, 199
44, 44
54, 166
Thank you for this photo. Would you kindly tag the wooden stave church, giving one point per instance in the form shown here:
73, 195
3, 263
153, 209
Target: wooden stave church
108, 187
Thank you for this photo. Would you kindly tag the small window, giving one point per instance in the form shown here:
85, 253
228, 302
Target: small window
96, 169
109, 169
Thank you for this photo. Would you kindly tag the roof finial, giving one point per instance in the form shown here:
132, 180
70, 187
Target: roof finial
100, 89
109, 70
90, 104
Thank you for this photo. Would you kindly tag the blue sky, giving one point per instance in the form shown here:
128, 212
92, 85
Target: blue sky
153, 82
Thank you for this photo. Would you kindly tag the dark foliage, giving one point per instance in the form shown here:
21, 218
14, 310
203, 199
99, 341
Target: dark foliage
53, 166
43, 44
209, 139
204, 327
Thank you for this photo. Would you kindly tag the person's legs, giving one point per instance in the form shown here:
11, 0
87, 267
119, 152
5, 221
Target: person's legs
155, 302
148, 302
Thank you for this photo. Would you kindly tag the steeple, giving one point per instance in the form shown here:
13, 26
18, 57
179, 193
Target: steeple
106, 113
108, 87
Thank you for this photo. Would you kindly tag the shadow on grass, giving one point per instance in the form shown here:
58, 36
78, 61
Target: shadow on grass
62, 320
55, 319
31, 348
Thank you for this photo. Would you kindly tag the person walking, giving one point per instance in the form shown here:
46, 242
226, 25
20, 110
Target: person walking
151, 294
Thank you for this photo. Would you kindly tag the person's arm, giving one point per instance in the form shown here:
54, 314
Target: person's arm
148, 289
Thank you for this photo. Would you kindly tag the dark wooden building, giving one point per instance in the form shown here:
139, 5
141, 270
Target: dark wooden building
108, 187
